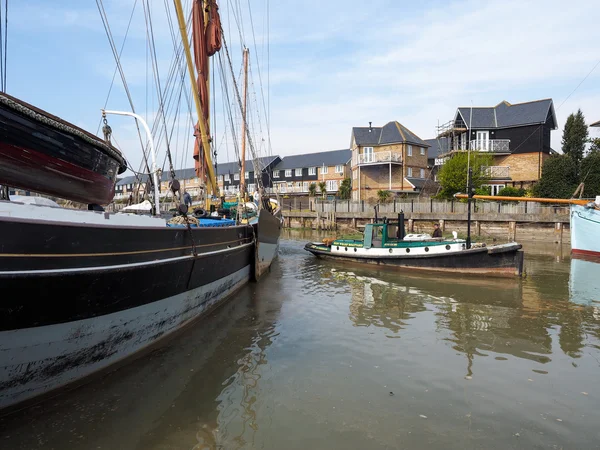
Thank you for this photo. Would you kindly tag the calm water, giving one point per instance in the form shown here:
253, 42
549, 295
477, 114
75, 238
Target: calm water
326, 355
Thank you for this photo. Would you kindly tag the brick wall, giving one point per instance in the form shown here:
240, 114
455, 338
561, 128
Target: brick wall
524, 167
416, 161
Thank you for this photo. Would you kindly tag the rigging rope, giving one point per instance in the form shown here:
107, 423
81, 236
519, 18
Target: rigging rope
150, 31
255, 161
113, 47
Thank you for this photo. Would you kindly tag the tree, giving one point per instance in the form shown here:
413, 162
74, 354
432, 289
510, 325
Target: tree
590, 174
453, 174
559, 178
312, 190
575, 136
323, 188
383, 196
345, 189
595, 145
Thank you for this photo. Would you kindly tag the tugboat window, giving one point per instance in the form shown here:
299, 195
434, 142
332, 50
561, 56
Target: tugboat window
408, 250
447, 247
426, 249
390, 250
346, 249
354, 250
337, 248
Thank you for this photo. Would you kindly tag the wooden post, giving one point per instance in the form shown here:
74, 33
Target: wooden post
452, 206
558, 232
478, 227
411, 224
442, 225
512, 231
412, 206
431, 205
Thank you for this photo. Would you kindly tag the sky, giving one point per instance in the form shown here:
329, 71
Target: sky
318, 68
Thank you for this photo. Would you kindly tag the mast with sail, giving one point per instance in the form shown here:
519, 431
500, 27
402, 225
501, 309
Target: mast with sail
243, 158
206, 30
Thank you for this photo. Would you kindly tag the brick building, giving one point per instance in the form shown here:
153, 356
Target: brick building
518, 136
391, 158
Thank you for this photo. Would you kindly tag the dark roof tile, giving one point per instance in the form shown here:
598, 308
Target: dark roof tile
390, 133
329, 158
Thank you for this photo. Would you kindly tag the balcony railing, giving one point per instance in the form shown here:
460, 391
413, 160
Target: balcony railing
493, 172
491, 145
377, 158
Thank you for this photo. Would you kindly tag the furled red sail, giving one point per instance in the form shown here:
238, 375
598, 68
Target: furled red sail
207, 41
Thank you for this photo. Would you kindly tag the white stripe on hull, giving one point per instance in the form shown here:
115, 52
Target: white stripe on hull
585, 229
375, 252
37, 360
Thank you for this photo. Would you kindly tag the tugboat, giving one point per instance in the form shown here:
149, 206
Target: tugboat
385, 243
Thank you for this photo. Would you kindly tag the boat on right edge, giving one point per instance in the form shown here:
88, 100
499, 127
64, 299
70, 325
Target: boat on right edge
584, 220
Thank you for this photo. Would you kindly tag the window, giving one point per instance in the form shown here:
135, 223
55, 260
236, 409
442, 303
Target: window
290, 185
339, 169
298, 172
422, 151
367, 155
236, 176
422, 173
288, 172
246, 175
251, 188
282, 188
221, 177
324, 170
410, 150
332, 185
305, 186
276, 174
227, 177
409, 172
312, 170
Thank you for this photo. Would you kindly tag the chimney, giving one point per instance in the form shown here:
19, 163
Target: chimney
370, 127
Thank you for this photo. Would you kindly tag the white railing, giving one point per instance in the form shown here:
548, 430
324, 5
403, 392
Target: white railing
496, 171
491, 145
377, 158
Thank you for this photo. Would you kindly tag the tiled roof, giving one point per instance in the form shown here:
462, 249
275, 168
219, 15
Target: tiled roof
390, 133
234, 167
437, 147
329, 158
416, 182
505, 115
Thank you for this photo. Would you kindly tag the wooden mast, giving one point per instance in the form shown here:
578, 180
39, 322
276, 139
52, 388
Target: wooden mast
243, 186
201, 120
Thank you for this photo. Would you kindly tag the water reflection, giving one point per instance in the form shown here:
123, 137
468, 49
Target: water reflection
516, 318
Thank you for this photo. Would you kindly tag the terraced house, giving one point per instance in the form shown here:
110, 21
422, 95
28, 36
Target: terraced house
518, 135
391, 158
294, 174
229, 176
